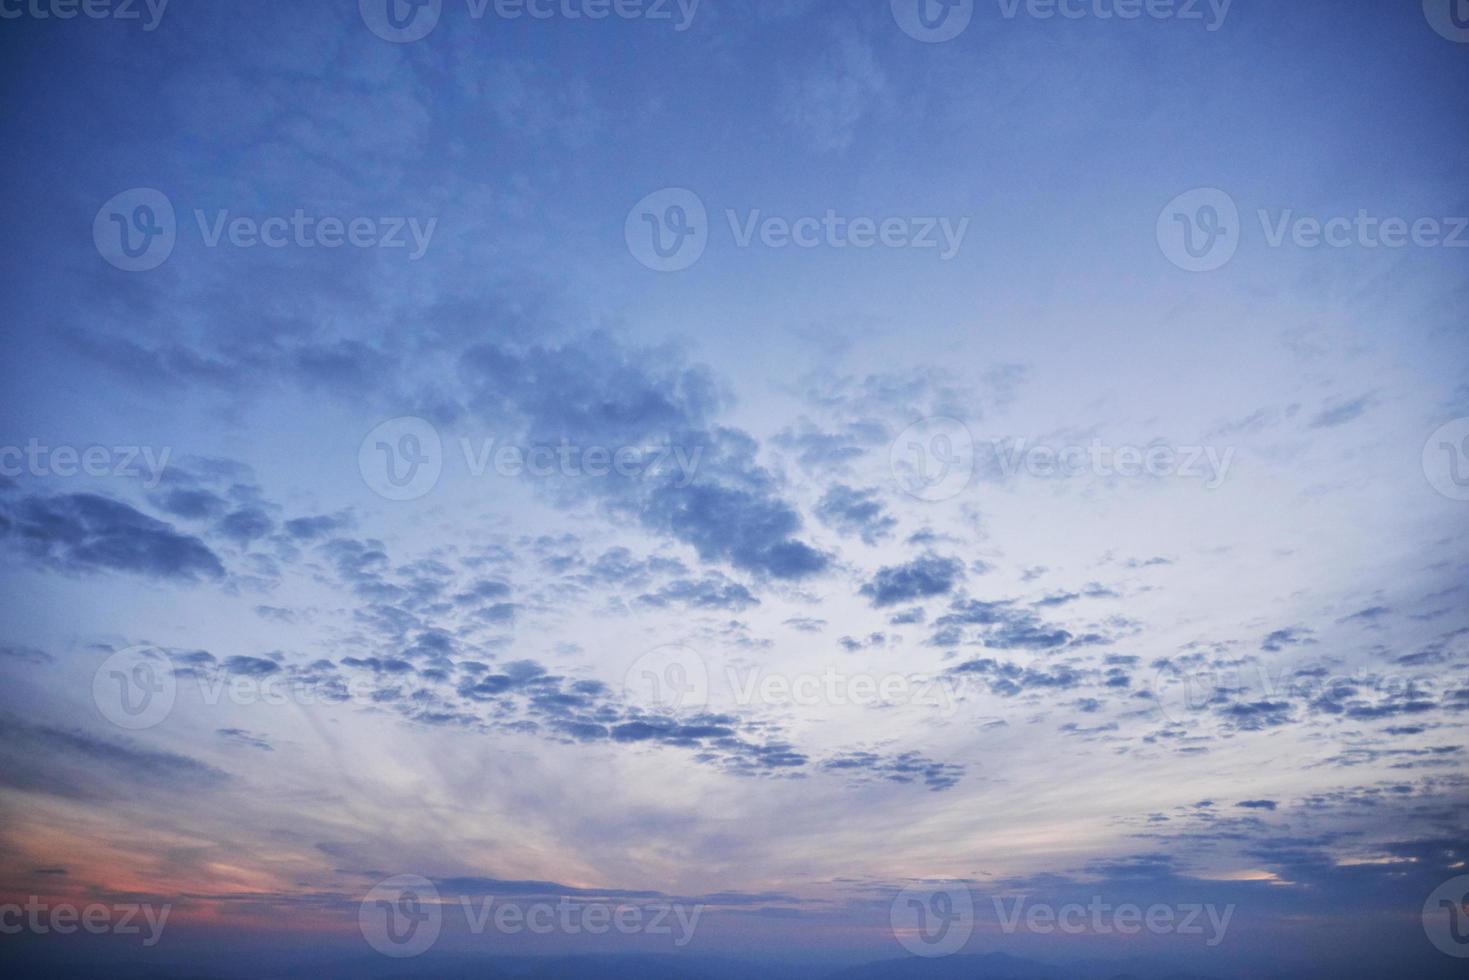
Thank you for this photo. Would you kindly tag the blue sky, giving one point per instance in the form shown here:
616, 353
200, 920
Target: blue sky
1033, 562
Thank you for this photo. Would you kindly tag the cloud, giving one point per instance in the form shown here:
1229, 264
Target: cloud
249, 739
921, 578
855, 512
85, 532
1341, 413
713, 591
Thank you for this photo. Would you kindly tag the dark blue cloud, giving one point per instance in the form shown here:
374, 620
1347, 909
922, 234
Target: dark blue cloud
921, 578
713, 591
856, 512
84, 532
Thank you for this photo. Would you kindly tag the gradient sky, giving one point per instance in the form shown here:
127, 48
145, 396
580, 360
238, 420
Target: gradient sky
467, 699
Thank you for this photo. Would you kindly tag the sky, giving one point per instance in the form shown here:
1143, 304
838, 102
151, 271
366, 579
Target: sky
843, 475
